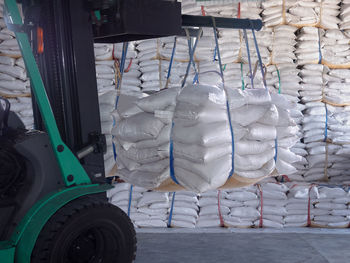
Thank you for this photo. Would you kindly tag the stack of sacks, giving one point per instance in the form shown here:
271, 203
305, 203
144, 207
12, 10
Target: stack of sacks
326, 159
105, 75
265, 40
331, 208
301, 13
103, 52
335, 47
309, 46
314, 120
202, 138
286, 81
245, 211
345, 17
299, 204
13, 77
236, 75
329, 46
254, 118
251, 9
107, 104
210, 210
230, 44
336, 92
22, 106
152, 210
131, 83
273, 199
184, 209
234, 208
220, 10
287, 136
190, 7
154, 56
142, 139
201, 162
323, 14
125, 197
284, 40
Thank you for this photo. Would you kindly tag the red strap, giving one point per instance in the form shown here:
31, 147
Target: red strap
239, 10
261, 222
309, 207
203, 11
129, 66
113, 57
222, 222
286, 178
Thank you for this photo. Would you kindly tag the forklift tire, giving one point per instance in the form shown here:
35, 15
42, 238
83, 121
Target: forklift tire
87, 229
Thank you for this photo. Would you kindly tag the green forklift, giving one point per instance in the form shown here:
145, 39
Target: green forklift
53, 205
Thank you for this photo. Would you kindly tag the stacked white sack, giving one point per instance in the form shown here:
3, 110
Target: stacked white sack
337, 92
13, 77
335, 47
314, 121
331, 208
309, 46
152, 210
287, 135
273, 200
284, 40
245, 211
237, 208
125, 197
202, 138
131, 83
103, 51
286, 81
190, 7
302, 13
107, 104
142, 139
254, 118
154, 56
183, 210
345, 17
22, 106
315, 45
299, 204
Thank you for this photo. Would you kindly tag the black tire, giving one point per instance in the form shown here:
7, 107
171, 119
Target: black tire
87, 229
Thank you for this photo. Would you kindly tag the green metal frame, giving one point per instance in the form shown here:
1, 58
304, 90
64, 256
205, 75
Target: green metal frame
19, 247
67, 161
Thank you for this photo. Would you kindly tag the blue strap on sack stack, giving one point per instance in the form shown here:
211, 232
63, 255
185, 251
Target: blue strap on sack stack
171, 210
171, 147
249, 58
227, 102
130, 199
326, 125
122, 66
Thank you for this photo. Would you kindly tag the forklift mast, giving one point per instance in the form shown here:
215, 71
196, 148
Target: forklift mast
67, 65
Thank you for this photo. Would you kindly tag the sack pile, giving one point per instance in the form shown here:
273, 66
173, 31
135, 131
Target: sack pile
301, 13
331, 208
233, 208
298, 205
345, 17
272, 205
183, 210
22, 106
143, 137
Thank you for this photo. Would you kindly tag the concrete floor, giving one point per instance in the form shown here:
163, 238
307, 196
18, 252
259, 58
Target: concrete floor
243, 246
